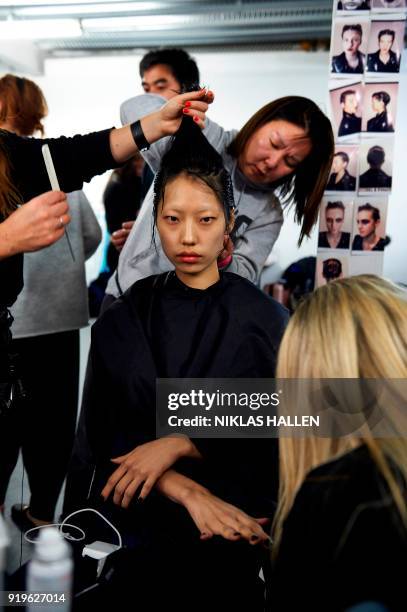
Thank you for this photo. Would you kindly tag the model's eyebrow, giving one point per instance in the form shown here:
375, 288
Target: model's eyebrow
157, 82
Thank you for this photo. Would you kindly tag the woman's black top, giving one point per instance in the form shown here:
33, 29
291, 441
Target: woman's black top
342, 244
380, 123
160, 328
340, 64
350, 124
343, 542
357, 244
76, 161
375, 178
346, 183
375, 64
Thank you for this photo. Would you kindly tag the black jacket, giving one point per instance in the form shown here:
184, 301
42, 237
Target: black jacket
357, 244
374, 63
350, 124
340, 64
347, 183
374, 177
380, 123
342, 244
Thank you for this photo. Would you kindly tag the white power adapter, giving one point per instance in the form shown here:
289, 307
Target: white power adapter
99, 550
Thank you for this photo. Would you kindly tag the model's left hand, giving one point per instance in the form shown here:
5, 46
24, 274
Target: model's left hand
145, 464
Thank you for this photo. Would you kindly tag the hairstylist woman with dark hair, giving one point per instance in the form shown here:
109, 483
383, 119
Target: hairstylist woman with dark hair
40, 222
282, 155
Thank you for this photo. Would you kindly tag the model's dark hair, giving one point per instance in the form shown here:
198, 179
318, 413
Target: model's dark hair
344, 94
375, 211
383, 96
356, 27
191, 154
343, 155
304, 187
181, 64
331, 269
375, 156
386, 32
332, 205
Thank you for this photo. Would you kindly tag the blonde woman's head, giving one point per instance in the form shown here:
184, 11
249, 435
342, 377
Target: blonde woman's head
350, 328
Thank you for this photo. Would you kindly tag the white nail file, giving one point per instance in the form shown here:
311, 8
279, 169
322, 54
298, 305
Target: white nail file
53, 179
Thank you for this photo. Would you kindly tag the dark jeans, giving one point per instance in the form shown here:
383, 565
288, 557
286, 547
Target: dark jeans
43, 425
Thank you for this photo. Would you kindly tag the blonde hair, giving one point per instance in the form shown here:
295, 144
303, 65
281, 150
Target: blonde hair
350, 328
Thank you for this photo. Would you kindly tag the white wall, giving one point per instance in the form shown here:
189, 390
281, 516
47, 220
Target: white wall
85, 94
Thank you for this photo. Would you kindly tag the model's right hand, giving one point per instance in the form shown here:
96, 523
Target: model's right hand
35, 225
213, 516
120, 236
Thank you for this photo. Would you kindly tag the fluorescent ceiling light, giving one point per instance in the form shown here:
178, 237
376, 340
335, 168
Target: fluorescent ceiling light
35, 29
43, 2
68, 8
143, 22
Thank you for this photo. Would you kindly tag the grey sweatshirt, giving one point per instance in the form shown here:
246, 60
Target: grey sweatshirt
55, 296
258, 212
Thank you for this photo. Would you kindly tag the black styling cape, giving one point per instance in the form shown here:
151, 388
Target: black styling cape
162, 328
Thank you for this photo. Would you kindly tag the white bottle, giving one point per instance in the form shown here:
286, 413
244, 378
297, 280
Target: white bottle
50, 573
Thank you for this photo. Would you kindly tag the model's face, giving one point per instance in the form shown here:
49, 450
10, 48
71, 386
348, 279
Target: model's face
378, 106
334, 220
366, 224
351, 41
160, 80
385, 43
191, 224
274, 151
338, 164
351, 104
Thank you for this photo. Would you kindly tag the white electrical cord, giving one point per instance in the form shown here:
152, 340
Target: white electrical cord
68, 536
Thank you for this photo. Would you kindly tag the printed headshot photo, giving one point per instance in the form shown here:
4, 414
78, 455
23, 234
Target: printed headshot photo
349, 46
344, 168
330, 268
346, 109
369, 226
349, 6
379, 107
335, 224
375, 165
386, 42
388, 6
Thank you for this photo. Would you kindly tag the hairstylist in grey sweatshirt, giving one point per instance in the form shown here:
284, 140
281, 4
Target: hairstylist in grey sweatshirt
285, 149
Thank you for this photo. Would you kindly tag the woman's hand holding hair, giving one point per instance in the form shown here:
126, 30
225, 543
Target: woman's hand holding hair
167, 120
163, 122
36, 225
144, 465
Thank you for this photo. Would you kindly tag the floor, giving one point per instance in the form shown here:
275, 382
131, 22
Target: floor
20, 551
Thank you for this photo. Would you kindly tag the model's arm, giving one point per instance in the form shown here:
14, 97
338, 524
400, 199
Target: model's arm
211, 515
